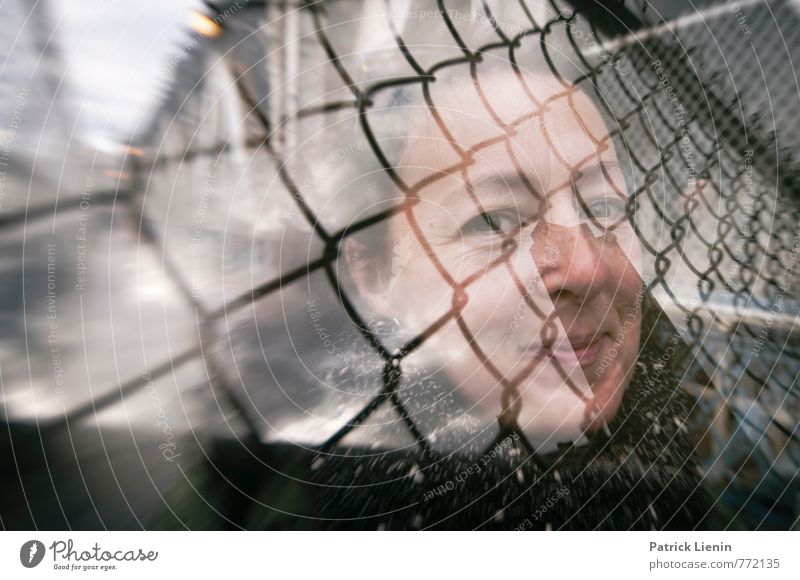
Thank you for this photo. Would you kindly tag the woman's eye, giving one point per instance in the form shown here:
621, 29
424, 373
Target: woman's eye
490, 223
607, 209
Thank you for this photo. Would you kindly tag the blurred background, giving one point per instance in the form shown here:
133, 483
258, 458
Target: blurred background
150, 160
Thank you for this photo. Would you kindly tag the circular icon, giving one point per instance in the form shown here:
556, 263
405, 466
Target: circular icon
31, 553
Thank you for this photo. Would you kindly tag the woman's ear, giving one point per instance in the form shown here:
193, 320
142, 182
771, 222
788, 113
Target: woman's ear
366, 273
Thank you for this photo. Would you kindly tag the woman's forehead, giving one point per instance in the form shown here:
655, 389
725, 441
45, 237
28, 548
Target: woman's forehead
498, 127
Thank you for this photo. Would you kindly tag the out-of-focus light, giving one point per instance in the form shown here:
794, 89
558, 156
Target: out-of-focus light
202, 24
134, 151
103, 143
151, 286
117, 175
34, 403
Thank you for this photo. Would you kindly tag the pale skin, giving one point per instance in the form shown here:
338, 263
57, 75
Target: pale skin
517, 216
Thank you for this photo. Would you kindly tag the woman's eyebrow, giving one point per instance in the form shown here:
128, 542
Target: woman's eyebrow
497, 188
595, 169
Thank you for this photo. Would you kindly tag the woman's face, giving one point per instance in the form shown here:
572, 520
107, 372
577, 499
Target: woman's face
526, 245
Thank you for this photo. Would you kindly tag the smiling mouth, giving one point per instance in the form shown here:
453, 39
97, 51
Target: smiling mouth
583, 349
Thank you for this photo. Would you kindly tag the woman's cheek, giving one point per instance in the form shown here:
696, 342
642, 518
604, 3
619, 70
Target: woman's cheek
496, 313
627, 246
421, 293
463, 263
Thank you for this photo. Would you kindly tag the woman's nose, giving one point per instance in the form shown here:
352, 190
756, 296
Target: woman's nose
569, 262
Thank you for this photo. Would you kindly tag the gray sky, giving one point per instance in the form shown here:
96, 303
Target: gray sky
116, 52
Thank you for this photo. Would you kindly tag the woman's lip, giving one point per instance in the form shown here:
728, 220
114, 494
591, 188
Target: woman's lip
586, 349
